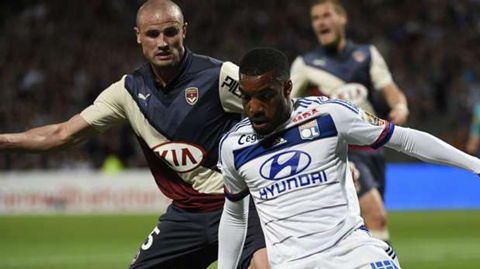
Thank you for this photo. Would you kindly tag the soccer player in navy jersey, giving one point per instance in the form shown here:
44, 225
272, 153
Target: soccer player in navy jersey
179, 104
290, 156
340, 68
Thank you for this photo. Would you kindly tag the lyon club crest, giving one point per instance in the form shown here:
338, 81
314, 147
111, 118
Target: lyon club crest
191, 95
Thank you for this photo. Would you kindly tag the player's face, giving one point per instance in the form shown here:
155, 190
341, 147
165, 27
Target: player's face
265, 101
161, 35
328, 25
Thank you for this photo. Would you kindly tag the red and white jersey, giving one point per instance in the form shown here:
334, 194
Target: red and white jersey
299, 177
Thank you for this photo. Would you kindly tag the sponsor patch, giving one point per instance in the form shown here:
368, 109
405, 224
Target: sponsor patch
305, 115
309, 130
191, 95
285, 164
372, 119
181, 157
355, 93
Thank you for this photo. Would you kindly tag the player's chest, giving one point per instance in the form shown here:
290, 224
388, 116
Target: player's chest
301, 152
192, 106
329, 73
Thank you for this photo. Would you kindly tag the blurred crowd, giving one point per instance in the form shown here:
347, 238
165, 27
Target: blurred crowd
57, 56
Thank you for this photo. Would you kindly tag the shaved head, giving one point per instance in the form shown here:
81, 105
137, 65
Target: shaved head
160, 5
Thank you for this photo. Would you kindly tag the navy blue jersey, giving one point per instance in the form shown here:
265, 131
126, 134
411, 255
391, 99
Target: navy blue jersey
356, 74
178, 126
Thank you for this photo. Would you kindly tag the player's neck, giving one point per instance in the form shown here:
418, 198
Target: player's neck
341, 45
336, 48
163, 76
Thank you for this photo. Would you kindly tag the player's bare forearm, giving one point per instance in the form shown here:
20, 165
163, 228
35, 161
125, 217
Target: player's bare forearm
398, 104
48, 138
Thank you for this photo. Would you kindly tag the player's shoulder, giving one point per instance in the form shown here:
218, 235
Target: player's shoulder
322, 105
310, 57
199, 62
137, 78
352, 46
239, 135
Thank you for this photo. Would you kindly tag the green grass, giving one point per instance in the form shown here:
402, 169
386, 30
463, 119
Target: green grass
423, 240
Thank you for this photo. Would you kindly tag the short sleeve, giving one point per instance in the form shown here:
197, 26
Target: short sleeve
228, 88
107, 110
379, 72
235, 187
359, 127
299, 77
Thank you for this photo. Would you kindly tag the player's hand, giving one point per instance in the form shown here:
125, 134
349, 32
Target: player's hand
399, 114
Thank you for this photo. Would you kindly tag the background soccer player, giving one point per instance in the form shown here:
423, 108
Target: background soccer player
178, 104
295, 166
339, 68
473, 143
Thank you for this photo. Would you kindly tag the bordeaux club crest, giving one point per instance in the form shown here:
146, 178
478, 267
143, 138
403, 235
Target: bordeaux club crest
359, 56
191, 95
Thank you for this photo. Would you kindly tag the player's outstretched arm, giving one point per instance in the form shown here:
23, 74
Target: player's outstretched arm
232, 232
428, 148
49, 137
397, 103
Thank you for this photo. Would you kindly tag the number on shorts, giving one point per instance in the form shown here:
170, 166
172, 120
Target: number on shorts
149, 242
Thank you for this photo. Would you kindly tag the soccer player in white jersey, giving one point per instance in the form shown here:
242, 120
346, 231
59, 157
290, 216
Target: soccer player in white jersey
290, 155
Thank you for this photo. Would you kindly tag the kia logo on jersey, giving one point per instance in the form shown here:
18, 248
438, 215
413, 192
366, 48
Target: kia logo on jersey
181, 157
285, 164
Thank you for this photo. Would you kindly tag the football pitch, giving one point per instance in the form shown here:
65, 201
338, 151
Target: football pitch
423, 240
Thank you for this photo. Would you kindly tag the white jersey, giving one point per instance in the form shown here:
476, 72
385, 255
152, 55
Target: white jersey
299, 176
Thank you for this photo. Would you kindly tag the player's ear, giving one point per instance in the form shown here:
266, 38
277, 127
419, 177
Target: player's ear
344, 19
287, 88
184, 30
137, 33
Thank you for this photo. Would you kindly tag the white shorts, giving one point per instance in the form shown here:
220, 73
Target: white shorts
359, 250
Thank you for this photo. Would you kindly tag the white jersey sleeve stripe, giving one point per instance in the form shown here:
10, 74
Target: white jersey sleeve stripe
344, 103
384, 136
235, 196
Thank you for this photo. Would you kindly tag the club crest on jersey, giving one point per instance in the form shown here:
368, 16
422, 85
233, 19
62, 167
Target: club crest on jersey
191, 95
359, 56
181, 157
372, 119
309, 130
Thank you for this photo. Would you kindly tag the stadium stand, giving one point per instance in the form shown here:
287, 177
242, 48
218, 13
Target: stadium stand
57, 56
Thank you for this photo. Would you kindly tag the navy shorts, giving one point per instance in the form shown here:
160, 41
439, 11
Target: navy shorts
371, 165
189, 240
